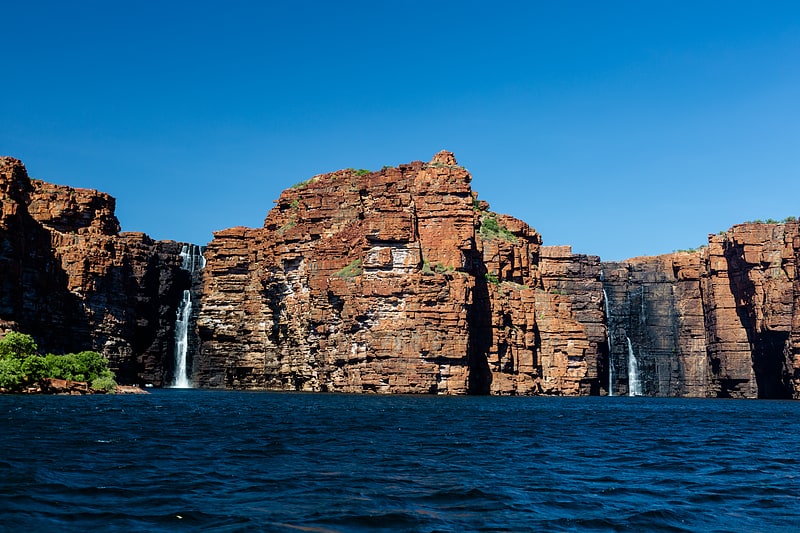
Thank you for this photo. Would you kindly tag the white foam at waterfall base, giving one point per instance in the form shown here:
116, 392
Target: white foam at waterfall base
634, 383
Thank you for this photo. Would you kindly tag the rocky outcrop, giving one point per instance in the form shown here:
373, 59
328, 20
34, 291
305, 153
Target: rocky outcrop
393, 281
73, 282
403, 281
570, 317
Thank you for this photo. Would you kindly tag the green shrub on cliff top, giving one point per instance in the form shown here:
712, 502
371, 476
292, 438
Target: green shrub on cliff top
360, 171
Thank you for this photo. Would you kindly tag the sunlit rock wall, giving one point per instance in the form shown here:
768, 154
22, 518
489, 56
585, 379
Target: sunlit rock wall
396, 281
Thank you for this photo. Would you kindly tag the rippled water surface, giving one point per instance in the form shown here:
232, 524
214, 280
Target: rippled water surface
232, 461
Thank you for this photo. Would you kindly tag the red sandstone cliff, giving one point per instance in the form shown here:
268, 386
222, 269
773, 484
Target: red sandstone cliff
718, 322
402, 281
70, 279
391, 281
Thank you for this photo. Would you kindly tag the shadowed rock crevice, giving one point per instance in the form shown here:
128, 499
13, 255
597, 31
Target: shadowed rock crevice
769, 343
479, 320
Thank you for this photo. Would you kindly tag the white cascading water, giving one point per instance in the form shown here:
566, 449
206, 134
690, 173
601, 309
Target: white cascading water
610, 346
192, 260
634, 383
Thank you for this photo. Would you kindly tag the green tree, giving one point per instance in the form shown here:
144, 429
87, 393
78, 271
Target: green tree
21, 365
15, 349
11, 374
17, 345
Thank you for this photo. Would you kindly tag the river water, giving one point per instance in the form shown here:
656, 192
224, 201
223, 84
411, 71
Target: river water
235, 461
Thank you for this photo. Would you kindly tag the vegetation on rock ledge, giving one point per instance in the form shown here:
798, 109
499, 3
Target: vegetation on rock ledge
350, 271
491, 229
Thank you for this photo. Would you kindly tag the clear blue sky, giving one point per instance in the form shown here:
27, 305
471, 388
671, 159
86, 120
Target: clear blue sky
621, 128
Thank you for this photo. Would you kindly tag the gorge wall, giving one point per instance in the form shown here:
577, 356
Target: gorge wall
71, 280
721, 321
401, 281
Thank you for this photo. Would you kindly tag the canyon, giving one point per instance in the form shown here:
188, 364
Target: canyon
400, 280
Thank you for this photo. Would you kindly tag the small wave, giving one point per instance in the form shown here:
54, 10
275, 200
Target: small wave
459, 495
388, 520
661, 519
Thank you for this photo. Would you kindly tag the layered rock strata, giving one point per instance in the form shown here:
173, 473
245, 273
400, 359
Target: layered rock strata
395, 281
721, 321
400, 281
655, 315
73, 282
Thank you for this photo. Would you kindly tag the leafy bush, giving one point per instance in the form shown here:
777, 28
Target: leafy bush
491, 229
692, 250
302, 184
442, 269
438, 268
15, 349
105, 382
83, 366
21, 365
11, 374
17, 345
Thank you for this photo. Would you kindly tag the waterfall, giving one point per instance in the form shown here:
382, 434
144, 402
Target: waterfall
610, 345
181, 380
191, 260
634, 384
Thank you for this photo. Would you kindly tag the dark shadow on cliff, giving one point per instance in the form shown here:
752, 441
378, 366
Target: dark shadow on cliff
35, 290
479, 322
769, 349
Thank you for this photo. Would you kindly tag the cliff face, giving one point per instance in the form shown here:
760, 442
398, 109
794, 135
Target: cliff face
393, 281
400, 281
718, 322
70, 279
753, 308
656, 323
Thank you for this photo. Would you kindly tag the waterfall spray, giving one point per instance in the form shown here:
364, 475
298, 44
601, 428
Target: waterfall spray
634, 383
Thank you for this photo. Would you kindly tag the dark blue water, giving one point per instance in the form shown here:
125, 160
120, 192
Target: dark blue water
230, 461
